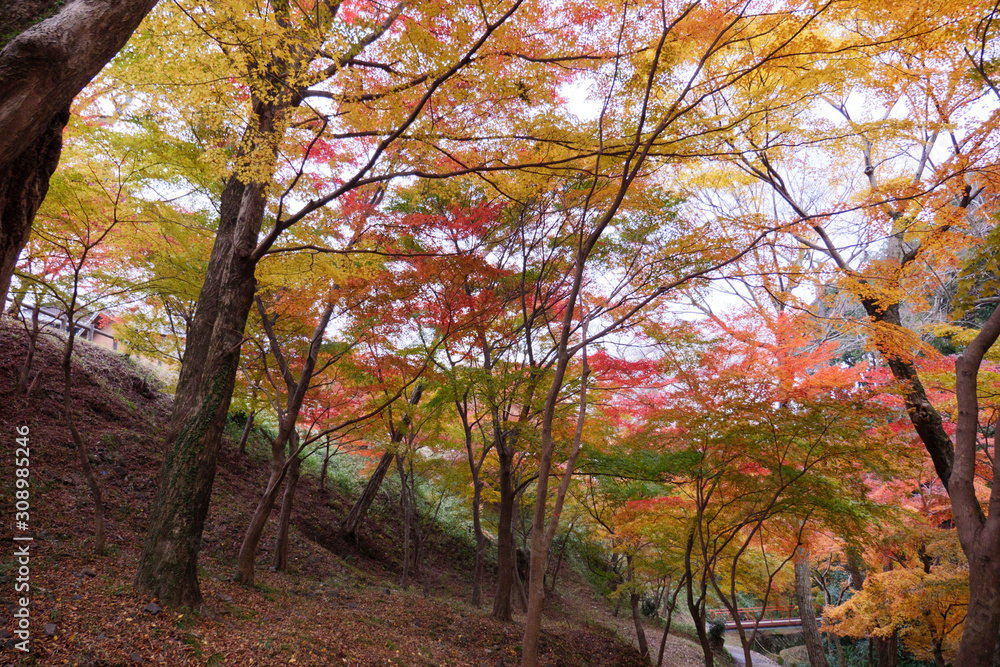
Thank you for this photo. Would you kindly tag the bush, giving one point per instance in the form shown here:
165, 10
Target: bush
648, 607
717, 635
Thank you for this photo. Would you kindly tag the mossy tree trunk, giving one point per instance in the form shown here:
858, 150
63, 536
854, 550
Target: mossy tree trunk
168, 566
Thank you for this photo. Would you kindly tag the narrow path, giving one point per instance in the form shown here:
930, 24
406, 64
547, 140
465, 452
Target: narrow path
758, 660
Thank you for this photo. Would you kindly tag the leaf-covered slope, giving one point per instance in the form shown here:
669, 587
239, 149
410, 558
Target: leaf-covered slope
339, 606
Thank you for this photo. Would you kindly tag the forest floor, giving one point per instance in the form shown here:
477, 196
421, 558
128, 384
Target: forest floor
339, 605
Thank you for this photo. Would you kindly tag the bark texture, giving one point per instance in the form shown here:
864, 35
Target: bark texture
807, 611
979, 534
24, 182
168, 564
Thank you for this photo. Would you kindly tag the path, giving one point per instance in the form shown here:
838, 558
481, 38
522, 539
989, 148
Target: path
758, 660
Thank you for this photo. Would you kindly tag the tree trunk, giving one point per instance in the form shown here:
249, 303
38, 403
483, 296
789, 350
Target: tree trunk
280, 561
255, 529
559, 561
168, 566
982, 619
640, 632
326, 463
666, 627
477, 527
24, 182
81, 445
357, 514
978, 534
247, 429
52, 56
807, 609
542, 532
695, 604
506, 560
404, 511
361, 505
886, 650
841, 658
938, 655
23, 381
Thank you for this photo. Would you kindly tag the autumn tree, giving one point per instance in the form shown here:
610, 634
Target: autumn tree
386, 77
81, 225
891, 228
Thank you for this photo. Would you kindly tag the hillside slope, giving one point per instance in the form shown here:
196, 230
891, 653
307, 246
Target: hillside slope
339, 606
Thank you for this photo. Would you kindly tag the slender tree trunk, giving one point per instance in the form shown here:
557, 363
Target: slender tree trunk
247, 429
506, 560
255, 530
841, 658
543, 532
938, 655
404, 512
360, 508
81, 445
633, 598
23, 381
477, 527
666, 627
361, 505
326, 463
280, 561
519, 584
695, 604
559, 560
807, 609
640, 632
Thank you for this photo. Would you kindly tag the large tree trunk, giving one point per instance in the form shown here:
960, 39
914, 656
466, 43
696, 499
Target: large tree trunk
506, 559
168, 564
886, 650
24, 183
280, 561
807, 611
978, 534
52, 56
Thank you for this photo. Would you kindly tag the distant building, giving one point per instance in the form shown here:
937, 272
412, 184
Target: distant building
97, 328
